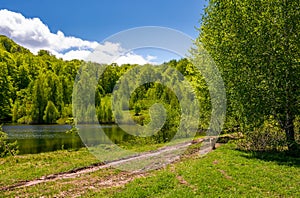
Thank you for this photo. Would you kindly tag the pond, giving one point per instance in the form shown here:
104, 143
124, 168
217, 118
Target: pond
34, 139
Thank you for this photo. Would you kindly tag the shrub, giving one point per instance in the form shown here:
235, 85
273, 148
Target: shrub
137, 109
297, 127
268, 137
6, 148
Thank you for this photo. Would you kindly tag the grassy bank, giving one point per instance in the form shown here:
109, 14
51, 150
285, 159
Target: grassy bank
14, 169
224, 172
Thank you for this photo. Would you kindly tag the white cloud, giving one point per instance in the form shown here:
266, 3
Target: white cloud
132, 58
74, 54
106, 53
150, 58
33, 34
114, 53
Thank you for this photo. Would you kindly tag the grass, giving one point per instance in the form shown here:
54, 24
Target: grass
18, 168
225, 172
27, 167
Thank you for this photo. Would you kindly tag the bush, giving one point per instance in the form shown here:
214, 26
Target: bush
7, 149
269, 137
25, 120
137, 109
297, 127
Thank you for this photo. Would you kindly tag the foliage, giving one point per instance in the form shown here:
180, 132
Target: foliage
137, 109
255, 44
38, 89
121, 78
5, 94
269, 137
51, 113
28, 82
297, 129
104, 111
7, 148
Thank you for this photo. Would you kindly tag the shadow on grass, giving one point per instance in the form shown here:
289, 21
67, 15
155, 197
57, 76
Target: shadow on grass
281, 158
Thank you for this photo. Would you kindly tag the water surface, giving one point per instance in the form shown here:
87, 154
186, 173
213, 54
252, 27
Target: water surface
44, 138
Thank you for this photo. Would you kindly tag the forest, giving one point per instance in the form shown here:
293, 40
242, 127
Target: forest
35, 89
38, 89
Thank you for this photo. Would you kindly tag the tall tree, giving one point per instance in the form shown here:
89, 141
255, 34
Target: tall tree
256, 46
39, 100
5, 92
51, 113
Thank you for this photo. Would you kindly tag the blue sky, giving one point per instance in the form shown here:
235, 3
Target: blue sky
95, 20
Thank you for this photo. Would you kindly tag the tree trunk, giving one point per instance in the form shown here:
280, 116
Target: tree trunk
290, 136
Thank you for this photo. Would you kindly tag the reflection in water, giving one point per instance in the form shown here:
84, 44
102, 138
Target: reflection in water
43, 138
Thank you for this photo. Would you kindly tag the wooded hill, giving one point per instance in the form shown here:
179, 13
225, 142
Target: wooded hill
37, 89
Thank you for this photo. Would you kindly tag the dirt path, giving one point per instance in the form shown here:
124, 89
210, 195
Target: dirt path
161, 157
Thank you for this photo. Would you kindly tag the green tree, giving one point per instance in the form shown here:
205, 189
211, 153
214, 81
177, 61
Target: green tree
5, 92
28, 82
53, 89
39, 101
255, 44
137, 109
51, 113
23, 78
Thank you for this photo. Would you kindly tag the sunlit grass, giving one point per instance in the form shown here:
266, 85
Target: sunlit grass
224, 172
14, 169
31, 166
